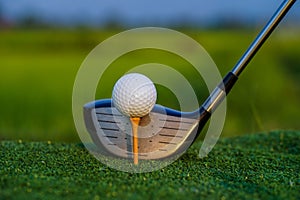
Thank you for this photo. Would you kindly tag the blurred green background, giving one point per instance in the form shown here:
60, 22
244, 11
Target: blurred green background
38, 68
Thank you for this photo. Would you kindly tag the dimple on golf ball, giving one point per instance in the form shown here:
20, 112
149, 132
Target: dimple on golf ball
134, 95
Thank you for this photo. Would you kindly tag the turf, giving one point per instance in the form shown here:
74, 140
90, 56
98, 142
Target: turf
257, 166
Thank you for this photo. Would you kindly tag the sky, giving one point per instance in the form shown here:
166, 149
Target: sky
138, 12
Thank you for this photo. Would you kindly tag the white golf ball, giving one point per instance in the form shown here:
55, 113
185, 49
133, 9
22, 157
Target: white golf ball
134, 95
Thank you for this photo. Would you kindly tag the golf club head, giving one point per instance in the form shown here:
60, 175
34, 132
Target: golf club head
162, 134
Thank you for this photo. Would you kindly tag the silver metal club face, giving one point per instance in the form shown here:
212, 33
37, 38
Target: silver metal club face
166, 133
162, 133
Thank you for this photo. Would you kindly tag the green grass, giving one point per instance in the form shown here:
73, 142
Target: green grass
38, 69
258, 166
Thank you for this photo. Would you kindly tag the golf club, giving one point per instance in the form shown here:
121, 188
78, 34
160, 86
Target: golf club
166, 132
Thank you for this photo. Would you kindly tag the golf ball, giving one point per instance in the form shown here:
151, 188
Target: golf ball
134, 95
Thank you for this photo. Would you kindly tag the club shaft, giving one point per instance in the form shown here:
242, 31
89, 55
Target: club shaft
263, 36
220, 92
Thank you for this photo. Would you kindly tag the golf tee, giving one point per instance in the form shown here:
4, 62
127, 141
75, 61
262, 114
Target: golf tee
135, 124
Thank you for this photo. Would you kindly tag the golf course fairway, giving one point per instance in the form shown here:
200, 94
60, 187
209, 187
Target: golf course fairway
255, 166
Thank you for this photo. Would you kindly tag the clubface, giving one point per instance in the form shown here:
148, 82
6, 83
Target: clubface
163, 133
